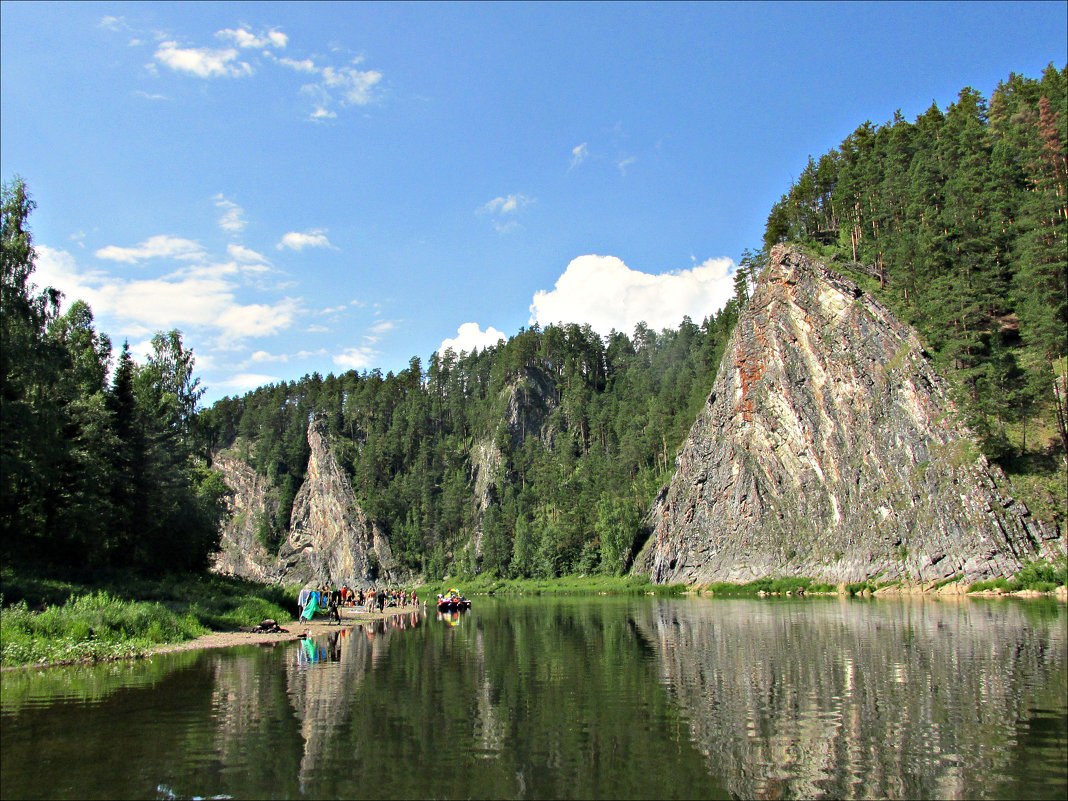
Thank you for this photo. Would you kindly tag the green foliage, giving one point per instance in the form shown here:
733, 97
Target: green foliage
795, 585
55, 620
961, 220
94, 477
1040, 576
568, 433
89, 627
567, 585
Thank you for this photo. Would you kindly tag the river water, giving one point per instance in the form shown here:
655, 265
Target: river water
573, 698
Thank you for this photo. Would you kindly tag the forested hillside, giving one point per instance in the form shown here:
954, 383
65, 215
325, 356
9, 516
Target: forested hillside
957, 221
962, 217
568, 497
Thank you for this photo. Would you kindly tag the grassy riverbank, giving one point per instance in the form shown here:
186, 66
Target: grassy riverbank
51, 620
565, 585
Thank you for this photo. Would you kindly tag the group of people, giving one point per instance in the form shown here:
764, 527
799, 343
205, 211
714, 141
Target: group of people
325, 599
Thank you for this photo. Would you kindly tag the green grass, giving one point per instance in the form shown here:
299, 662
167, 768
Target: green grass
51, 619
565, 585
771, 586
1041, 576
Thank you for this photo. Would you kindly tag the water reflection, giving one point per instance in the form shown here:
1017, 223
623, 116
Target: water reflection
861, 700
573, 698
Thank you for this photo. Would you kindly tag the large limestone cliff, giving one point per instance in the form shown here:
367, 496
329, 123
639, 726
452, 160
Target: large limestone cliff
829, 448
330, 539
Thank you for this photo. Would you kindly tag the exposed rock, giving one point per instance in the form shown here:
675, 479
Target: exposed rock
242, 552
829, 448
330, 539
528, 404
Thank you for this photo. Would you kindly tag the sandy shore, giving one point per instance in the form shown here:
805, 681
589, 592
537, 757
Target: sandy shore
295, 628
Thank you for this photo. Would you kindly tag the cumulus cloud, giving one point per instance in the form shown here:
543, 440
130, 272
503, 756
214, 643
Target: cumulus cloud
355, 86
245, 255
309, 239
155, 247
356, 358
470, 337
243, 51
302, 65
244, 39
233, 216
579, 154
262, 356
243, 382
203, 62
607, 294
203, 298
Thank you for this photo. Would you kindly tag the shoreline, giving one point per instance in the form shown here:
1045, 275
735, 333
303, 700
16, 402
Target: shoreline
227, 639
350, 618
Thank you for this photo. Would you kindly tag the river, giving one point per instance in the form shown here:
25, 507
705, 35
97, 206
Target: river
573, 698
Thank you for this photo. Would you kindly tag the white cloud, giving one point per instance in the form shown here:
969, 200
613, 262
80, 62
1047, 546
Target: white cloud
303, 65
245, 255
383, 327
321, 113
202, 62
356, 86
242, 382
262, 356
469, 337
116, 24
506, 205
502, 209
256, 319
316, 329
309, 239
233, 217
203, 298
624, 163
243, 38
604, 292
162, 246
356, 358
148, 96
579, 154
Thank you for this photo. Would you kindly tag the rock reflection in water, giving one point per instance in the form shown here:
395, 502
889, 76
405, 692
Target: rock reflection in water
845, 699
326, 672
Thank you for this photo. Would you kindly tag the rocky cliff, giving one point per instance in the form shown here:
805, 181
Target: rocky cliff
829, 448
527, 406
242, 552
330, 539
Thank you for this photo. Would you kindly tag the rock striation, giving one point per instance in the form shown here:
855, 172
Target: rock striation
330, 539
828, 447
241, 551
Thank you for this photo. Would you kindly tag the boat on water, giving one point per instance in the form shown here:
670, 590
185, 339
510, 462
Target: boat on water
452, 600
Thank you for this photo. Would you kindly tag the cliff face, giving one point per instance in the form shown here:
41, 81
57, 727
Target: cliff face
528, 403
242, 553
330, 538
829, 448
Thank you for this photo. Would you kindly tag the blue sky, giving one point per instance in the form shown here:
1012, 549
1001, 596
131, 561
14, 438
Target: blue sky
318, 187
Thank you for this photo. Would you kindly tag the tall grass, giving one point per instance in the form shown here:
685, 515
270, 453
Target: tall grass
89, 628
54, 620
1041, 576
